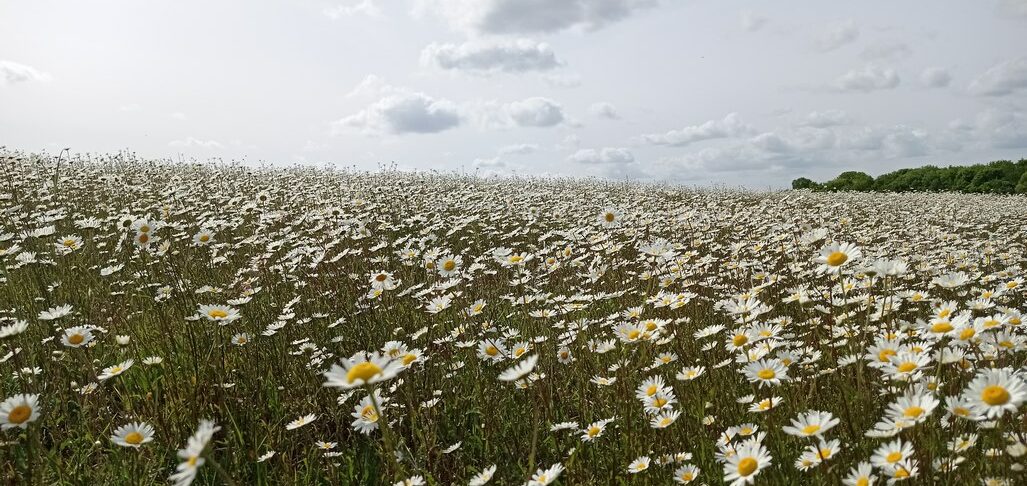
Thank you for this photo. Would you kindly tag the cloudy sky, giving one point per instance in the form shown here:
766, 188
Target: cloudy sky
689, 91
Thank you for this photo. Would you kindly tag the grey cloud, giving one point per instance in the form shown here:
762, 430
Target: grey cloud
826, 118
869, 78
935, 77
886, 51
837, 36
534, 16
730, 126
607, 155
603, 109
1001, 79
535, 112
519, 149
515, 56
402, 113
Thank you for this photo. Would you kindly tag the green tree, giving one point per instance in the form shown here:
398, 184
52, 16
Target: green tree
805, 183
1021, 187
850, 181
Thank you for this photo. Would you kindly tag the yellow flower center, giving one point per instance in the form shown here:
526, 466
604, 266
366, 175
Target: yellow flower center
885, 355
967, 333
687, 476
204, 238
609, 217
449, 265
143, 237
69, 242
943, 326
766, 374
409, 358
913, 412
659, 402
901, 473
594, 431
893, 457
19, 414
217, 314
634, 333
739, 339
369, 414
134, 438
76, 339
652, 390
995, 395
747, 466
907, 367
837, 258
811, 429
362, 371
491, 350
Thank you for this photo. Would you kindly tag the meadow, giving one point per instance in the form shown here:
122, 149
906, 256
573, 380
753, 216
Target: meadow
224, 324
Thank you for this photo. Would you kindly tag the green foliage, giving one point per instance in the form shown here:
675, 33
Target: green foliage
998, 177
805, 183
850, 181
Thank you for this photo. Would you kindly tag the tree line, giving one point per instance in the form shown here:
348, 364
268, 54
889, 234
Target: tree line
998, 177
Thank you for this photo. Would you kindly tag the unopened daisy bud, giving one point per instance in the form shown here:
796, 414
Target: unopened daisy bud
122, 340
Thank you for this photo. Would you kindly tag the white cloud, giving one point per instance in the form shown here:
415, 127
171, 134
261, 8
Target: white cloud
826, 118
889, 141
531, 16
12, 73
1001, 128
870, 78
607, 155
193, 142
366, 7
730, 126
515, 56
837, 36
603, 109
400, 113
519, 149
935, 77
1001, 79
130, 107
178, 115
535, 112
751, 21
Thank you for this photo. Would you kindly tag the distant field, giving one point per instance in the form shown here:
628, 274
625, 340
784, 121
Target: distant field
231, 325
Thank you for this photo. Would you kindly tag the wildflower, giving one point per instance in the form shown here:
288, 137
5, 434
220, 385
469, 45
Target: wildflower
362, 368
19, 411
133, 435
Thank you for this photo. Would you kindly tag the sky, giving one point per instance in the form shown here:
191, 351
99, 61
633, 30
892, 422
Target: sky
693, 92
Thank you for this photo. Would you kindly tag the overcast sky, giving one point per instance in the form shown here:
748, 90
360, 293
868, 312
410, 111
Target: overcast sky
688, 91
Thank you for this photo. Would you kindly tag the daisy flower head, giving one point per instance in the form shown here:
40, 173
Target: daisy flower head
995, 391
686, 474
362, 369
19, 411
639, 465
221, 314
112, 371
747, 461
133, 434
483, 477
76, 337
610, 218
301, 421
542, 477
519, 370
836, 255
813, 423
203, 237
